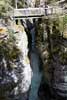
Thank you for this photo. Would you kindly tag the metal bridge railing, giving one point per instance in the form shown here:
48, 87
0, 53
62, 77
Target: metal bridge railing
37, 12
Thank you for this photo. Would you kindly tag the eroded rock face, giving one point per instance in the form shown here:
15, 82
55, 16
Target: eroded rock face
22, 43
15, 70
54, 57
60, 70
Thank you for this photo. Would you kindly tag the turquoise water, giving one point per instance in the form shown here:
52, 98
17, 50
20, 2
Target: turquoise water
36, 79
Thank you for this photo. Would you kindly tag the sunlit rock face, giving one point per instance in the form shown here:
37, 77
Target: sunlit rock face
22, 44
15, 70
21, 39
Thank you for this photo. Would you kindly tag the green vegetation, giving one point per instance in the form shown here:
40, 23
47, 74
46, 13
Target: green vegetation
9, 51
4, 7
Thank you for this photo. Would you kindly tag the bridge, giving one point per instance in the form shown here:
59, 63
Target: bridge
36, 12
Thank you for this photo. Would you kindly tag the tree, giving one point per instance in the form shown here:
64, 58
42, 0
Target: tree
4, 7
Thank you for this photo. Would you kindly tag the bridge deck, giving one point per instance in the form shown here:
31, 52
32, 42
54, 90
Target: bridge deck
36, 12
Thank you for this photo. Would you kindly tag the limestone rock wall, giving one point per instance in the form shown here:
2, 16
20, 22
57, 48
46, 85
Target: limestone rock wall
16, 72
53, 50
